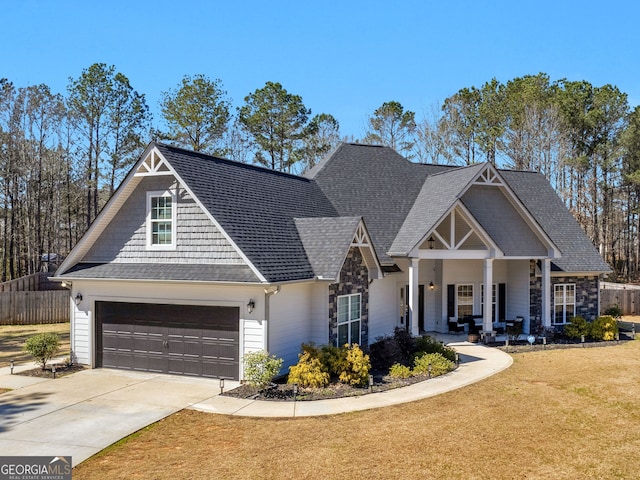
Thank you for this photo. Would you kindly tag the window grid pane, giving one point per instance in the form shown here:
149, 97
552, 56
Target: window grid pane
348, 319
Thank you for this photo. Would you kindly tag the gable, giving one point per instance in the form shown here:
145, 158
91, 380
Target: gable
506, 226
198, 239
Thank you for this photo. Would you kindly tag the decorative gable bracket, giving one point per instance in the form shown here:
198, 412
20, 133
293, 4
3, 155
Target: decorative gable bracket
153, 165
489, 176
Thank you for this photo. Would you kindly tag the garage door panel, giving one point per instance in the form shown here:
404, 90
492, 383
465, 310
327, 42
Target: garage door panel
179, 339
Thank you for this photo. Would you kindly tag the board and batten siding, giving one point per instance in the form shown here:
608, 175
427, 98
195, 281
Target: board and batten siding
198, 241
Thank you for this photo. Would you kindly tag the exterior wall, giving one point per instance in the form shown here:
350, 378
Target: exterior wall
587, 293
290, 321
518, 289
252, 325
319, 312
354, 278
197, 238
384, 311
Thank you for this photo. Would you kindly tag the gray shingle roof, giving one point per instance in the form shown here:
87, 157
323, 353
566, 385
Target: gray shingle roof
372, 182
535, 192
158, 271
326, 241
437, 195
256, 207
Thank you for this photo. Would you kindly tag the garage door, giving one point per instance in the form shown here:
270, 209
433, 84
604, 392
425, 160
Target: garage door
179, 339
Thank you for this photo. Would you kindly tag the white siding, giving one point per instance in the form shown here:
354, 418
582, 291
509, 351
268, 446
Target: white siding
81, 342
383, 307
518, 290
319, 313
290, 322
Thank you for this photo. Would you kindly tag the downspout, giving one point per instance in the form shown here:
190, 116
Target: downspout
268, 293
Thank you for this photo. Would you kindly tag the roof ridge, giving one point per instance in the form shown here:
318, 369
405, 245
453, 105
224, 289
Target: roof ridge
251, 166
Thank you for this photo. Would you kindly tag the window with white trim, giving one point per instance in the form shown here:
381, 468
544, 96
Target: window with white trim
465, 300
349, 319
564, 300
161, 220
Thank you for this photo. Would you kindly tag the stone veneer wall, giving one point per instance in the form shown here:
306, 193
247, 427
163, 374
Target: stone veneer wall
586, 294
354, 278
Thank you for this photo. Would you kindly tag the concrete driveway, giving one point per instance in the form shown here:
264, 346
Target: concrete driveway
83, 413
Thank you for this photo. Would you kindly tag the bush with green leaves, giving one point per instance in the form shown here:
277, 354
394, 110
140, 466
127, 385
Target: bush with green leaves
578, 327
398, 370
604, 328
43, 347
260, 368
309, 372
439, 365
614, 311
356, 371
430, 345
334, 359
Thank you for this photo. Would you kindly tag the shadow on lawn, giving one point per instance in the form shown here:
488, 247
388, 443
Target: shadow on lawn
13, 407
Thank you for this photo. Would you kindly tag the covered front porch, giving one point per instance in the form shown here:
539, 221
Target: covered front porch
435, 292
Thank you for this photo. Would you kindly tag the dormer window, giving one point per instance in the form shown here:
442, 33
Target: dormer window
161, 220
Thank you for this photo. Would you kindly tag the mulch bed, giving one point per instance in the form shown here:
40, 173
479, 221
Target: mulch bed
281, 391
61, 371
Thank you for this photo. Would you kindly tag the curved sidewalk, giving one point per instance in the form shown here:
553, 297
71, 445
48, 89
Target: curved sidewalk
477, 362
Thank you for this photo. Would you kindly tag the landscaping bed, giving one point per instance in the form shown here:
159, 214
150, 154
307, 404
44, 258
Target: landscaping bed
281, 391
61, 371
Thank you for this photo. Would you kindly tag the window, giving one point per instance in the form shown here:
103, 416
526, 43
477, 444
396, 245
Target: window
161, 224
564, 303
349, 319
494, 297
465, 300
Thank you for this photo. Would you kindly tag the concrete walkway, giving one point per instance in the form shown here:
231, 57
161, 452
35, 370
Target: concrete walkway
83, 413
476, 363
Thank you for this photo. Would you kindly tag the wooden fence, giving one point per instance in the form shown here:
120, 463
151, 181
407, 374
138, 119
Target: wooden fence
31, 308
627, 300
31, 283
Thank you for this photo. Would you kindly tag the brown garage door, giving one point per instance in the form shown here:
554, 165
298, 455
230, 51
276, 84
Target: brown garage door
179, 339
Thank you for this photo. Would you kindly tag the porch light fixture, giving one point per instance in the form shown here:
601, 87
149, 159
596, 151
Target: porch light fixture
432, 242
431, 286
251, 305
78, 298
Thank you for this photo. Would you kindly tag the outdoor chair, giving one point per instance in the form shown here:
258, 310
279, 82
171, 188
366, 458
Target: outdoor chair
454, 326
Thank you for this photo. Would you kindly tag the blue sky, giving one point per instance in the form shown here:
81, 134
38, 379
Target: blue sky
344, 58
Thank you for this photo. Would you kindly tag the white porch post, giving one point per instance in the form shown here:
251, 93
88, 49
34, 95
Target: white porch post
413, 296
546, 292
488, 291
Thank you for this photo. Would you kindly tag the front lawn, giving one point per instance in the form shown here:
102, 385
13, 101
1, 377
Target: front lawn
554, 414
12, 338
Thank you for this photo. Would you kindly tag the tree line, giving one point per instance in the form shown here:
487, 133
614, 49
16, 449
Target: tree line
63, 155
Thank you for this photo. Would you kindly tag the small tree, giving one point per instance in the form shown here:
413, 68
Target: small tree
260, 368
43, 347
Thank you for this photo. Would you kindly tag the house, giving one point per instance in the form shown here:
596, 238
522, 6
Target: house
197, 260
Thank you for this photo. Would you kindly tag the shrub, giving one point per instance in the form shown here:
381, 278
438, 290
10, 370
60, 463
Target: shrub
604, 328
388, 350
334, 359
357, 368
439, 364
430, 345
260, 368
43, 347
400, 371
614, 311
308, 372
577, 328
